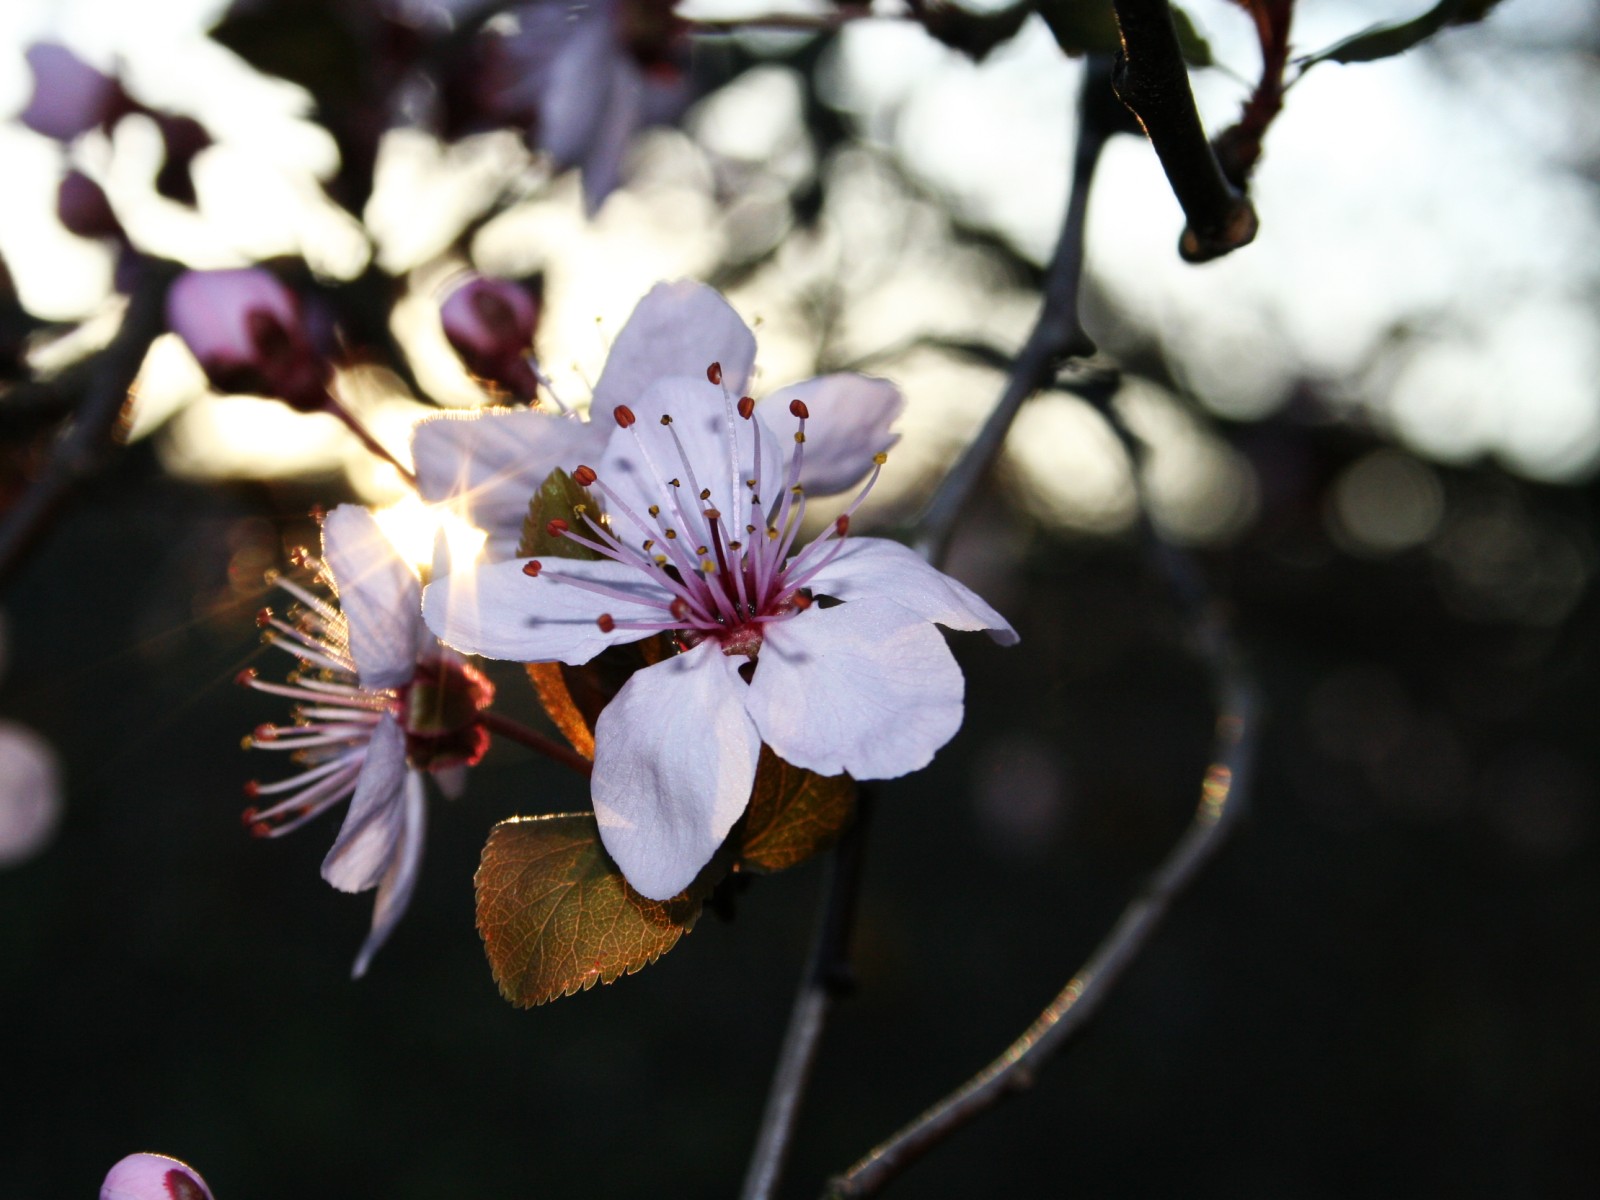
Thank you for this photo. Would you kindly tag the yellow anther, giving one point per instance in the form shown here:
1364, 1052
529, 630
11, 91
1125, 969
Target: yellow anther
799, 437
880, 458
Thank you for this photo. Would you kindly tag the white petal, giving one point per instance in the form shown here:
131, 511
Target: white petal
365, 848
493, 460
675, 757
30, 793
867, 687
394, 891
570, 103
701, 427
499, 612
602, 159
379, 595
849, 422
878, 567
679, 328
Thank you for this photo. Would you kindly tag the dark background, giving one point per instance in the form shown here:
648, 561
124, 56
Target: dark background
1384, 987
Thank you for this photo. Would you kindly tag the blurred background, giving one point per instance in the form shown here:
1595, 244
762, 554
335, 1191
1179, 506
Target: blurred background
1377, 428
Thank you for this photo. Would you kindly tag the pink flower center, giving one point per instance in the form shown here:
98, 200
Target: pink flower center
714, 575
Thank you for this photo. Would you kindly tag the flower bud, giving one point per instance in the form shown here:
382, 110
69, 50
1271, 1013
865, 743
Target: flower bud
153, 1177
69, 96
244, 327
490, 324
82, 207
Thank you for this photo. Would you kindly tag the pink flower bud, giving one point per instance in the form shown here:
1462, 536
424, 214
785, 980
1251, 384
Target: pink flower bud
69, 96
153, 1177
83, 208
490, 324
245, 329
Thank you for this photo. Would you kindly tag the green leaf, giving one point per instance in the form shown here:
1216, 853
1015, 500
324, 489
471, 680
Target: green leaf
793, 815
559, 498
1090, 26
1385, 41
557, 917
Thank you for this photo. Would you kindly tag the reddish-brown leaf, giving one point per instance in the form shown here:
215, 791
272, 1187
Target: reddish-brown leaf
556, 915
793, 815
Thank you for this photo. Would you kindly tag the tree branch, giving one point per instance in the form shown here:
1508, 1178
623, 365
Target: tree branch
1151, 79
92, 430
1223, 792
827, 977
1057, 334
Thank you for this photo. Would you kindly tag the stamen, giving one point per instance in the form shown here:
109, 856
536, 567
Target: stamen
606, 622
624, 415
714, 373
532, 567
747, 407
583, 476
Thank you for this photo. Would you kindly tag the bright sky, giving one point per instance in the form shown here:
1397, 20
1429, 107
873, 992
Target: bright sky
1432, 193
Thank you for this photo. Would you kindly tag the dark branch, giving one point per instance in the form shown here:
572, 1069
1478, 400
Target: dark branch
1151, 79
1056, 337
1223, 792
827, 977
94, 428
1057, 334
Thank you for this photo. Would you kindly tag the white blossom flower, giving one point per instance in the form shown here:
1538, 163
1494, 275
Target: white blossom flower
828, 653
378, 702
586, 75
491, 461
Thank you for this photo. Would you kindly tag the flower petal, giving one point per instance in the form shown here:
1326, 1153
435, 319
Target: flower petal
849, 422
378, 594
608, 143
499, 612
679, 328
30, 793
493, 460
675, 757
639, 462
878, 567
585, 55
400, 881
365, 847
867, 687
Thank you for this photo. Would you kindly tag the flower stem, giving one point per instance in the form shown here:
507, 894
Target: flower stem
516, 731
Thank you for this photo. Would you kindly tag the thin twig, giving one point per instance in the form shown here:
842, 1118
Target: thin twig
516, 731
93, 428
827, 977
1057, 334
1222, 794
1151, 79
1056, 337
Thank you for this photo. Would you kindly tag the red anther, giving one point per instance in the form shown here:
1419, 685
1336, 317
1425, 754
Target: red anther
606, 622
248, 816
712, 514
260, 829
251, 791
624, 415
245, 677
798, 408
747, 407
532, 567
801, 600
263, 618
556, 527
584, 476
266, 733
680, 609
714, 373
842, 525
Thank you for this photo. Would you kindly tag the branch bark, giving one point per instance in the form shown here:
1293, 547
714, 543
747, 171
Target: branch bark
1151, 79
93, 429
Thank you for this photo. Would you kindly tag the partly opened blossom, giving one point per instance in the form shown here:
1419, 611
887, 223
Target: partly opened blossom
245, 329
825, 652
153, 1177
378, 703
491, 461
490, 323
